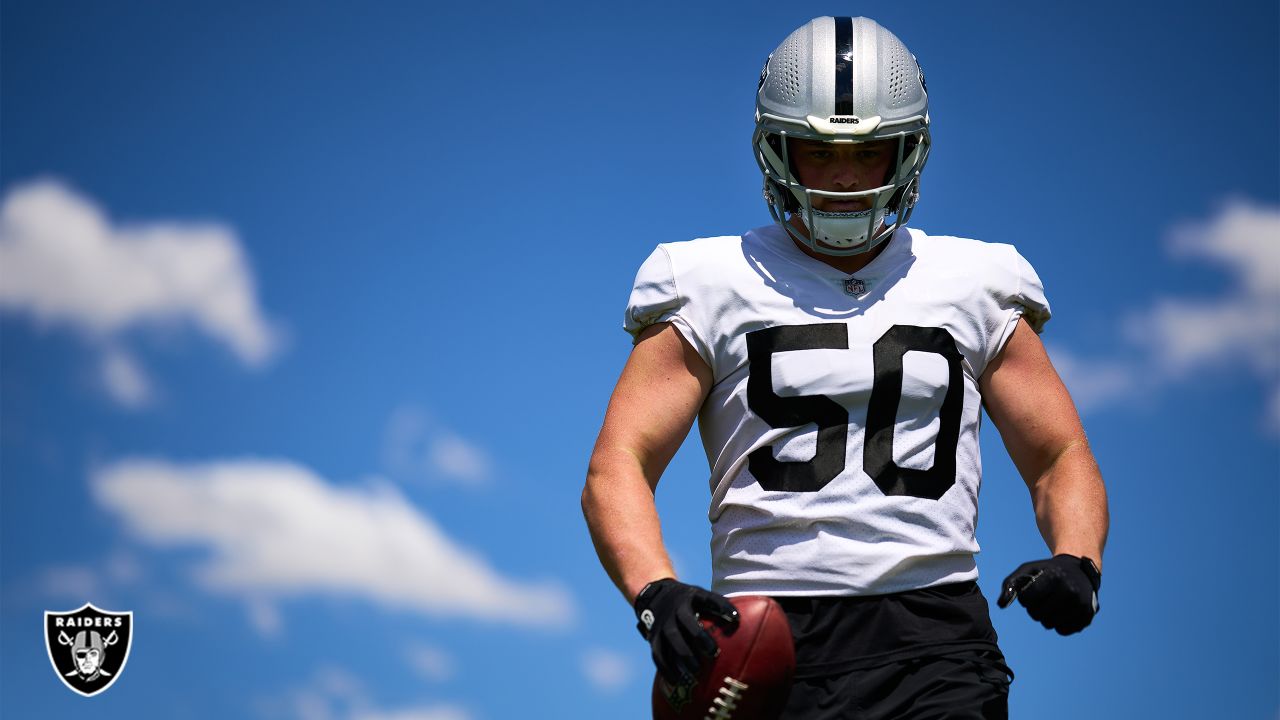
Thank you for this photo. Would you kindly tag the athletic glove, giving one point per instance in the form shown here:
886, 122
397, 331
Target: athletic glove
668, 611
1061, 592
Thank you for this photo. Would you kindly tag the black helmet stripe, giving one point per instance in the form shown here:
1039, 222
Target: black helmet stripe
844, 66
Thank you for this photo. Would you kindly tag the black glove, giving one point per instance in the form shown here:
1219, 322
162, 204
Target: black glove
668, 611
1061, 592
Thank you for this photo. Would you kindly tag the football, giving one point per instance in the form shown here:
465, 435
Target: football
749, 679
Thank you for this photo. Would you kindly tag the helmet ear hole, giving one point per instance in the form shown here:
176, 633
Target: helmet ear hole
777, 192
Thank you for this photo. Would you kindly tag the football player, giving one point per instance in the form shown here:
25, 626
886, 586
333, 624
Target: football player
838, 363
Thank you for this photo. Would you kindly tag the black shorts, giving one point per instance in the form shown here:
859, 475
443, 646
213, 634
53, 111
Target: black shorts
921, 654
968, 685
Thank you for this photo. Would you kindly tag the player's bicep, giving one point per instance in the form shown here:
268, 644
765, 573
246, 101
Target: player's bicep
1029, 404
660, 391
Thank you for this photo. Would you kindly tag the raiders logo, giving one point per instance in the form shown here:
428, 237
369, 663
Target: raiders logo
88, 647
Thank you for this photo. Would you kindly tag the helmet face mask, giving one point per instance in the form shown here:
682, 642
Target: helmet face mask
841, 81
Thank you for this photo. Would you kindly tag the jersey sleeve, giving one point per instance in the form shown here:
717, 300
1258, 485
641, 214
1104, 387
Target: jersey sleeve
1018, 293
655, 298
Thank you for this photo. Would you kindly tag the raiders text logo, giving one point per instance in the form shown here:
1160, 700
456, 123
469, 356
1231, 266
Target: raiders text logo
88, 647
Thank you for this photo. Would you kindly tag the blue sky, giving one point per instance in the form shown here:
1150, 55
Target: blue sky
310, 312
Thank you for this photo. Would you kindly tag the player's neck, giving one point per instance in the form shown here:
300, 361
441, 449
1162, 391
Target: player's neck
848, 264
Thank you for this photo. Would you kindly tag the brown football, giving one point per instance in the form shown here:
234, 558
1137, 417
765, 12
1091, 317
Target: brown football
749, 679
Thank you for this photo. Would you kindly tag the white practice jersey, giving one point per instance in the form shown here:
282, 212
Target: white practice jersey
842, 428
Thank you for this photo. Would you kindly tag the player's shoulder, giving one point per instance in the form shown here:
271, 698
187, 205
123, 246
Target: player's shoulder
953, 248
713, 260
702, 252
992, 270
991, 265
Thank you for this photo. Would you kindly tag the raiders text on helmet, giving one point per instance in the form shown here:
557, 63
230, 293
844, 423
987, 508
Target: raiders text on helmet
842, 80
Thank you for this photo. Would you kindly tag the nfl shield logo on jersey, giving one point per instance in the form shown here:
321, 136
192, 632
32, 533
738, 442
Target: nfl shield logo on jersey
88, 647
854, 286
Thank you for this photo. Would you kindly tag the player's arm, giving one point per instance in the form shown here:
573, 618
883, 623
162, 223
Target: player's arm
651, 411
1042, 432
653, 406
1041, 429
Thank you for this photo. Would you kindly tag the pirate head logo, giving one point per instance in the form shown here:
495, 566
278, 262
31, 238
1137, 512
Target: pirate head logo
88, 647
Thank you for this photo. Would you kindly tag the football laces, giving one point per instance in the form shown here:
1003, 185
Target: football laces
730, 694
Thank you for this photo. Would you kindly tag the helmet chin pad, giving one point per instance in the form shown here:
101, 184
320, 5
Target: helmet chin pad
843, 230
841, 234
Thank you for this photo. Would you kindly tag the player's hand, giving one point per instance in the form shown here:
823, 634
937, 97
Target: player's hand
668, 611
1061, 592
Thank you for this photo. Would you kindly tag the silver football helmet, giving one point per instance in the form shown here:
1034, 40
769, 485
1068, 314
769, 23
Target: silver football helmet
842, 80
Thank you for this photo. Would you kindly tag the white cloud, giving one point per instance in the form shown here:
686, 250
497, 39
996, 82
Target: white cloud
312, 707
275, 528
1243, 325
333, 693
1093, 383
265, 618
1174, 338
606, 669
97, 582
65, 263
431, 663
123, 568
441, 712
455, 457
337, 683
417, 447
125, 381
1245, 237
76, 582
